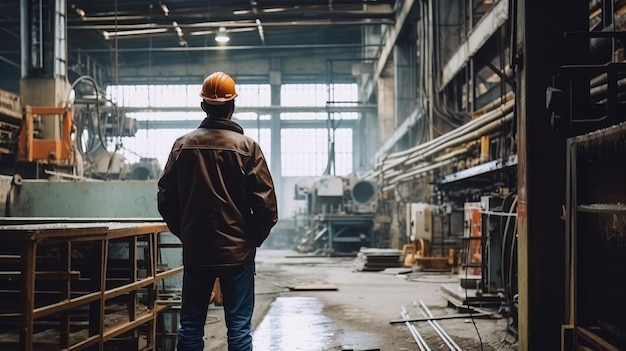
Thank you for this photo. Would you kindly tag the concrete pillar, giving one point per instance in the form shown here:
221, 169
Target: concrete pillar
44, 58
365, 141
372, 36
44, 91
386, 106
541, 171
276, 162
404, 82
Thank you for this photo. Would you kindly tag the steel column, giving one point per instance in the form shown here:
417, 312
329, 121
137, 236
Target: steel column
541, 171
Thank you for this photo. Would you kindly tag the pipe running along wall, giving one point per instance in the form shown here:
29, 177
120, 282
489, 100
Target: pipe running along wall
392, 167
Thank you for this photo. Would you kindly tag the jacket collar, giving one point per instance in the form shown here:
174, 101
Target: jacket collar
221, 123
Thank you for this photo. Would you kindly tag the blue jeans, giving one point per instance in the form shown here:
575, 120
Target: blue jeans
237, 285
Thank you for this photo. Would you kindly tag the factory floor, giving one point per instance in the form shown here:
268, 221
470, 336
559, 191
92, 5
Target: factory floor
322, 303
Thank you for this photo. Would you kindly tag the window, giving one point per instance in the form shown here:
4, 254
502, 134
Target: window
264, 138
156, 143
304, 152
318, 94
153, 143
304, 116
181, 95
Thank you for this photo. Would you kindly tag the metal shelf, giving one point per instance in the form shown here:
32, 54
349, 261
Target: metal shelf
85, 319
602, 208
481, 169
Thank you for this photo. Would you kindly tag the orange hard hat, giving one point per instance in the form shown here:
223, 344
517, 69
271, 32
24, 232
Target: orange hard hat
218, 88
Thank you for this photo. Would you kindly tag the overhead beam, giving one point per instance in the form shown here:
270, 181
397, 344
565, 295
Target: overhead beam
485, 29
217, 24
246, 124
226, 48
12, 63
300, 14
390, 38
261, 110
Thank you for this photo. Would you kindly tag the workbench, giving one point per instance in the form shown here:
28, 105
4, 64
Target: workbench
76, 285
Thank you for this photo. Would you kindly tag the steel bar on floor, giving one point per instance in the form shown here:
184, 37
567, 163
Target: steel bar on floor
438, 329
421, 343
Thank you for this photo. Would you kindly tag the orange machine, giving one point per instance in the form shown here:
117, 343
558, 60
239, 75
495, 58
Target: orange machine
55, 151
473, 233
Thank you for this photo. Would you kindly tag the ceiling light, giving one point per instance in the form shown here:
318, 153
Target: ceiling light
80, 12
127, 33
166, 11
222, 36
179, 31
276, 9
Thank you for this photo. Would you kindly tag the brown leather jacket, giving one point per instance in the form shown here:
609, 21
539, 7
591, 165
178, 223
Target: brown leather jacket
217, 195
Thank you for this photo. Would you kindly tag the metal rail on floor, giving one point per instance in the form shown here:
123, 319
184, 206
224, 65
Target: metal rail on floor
421, 343
447, 339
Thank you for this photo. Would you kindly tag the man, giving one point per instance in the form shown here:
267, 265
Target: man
217, 195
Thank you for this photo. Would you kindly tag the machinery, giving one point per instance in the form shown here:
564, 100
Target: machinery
488, 257
587, 108
10, 123
77, 143
339, 215
100, 127
419, 221
146, 168
24, 147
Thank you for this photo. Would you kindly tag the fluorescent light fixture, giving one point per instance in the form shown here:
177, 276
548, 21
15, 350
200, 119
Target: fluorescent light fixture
127, 33
275, 9
179, 30
166, 11
80, 12
222, 36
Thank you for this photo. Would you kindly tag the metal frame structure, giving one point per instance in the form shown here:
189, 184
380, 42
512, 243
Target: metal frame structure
595, 220
25, 244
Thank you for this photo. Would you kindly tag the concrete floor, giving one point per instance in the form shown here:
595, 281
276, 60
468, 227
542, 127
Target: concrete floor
354, 317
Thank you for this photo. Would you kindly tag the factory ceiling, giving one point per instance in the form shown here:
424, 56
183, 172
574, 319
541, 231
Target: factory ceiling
136, 33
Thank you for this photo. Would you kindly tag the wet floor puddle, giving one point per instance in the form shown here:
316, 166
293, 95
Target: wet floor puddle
294, 323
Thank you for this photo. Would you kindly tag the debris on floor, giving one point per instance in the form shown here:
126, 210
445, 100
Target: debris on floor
313, 287
376, 260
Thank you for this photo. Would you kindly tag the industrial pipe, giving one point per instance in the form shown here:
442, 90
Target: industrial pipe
484, 130
420, 151
449, 157
499, 109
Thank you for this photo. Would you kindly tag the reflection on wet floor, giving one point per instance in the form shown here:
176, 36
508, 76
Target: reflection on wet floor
294, 323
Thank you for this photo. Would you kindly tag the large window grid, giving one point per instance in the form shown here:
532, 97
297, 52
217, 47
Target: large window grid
318, 94
318, 116
304, 151
250, 95
157, 143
